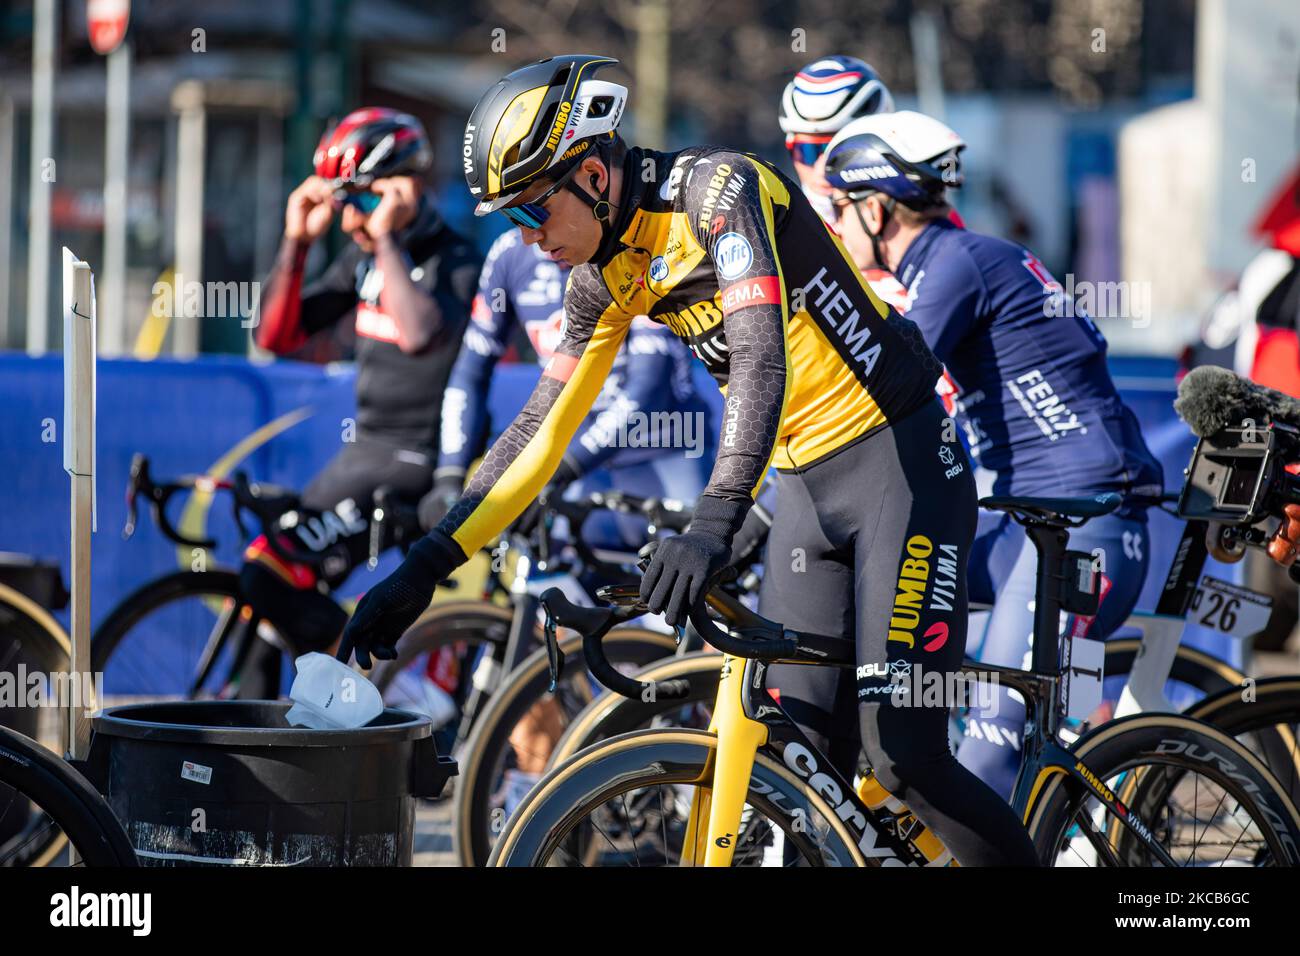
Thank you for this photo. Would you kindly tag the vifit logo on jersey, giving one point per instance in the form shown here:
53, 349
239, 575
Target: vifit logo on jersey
732, 255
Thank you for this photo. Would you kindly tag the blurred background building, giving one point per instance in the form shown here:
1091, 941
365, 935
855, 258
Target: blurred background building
1130, 140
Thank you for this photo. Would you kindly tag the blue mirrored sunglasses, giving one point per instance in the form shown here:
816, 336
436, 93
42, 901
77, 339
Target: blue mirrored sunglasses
531, 215
364, 202
807, 153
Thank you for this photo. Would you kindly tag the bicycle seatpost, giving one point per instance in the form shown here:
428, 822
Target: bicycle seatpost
1050, 541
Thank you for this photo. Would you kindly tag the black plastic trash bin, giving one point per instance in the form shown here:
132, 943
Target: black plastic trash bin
231, 783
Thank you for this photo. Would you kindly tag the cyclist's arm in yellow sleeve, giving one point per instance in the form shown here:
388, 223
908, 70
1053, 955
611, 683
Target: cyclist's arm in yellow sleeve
524, 458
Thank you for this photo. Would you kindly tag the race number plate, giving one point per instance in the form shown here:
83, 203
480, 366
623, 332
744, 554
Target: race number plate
1084, 669
1229, 608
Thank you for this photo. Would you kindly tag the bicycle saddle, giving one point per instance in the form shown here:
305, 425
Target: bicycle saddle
1055, 510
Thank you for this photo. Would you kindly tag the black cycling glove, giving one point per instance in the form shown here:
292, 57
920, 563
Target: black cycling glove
391, 606
684, 566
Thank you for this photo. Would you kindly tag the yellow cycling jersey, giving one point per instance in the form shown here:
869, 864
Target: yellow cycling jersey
727, 253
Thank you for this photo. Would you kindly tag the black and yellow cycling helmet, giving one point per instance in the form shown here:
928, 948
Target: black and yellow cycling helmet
540, 120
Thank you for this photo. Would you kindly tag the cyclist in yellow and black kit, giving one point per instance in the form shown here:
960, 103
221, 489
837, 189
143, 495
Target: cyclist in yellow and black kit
822, 380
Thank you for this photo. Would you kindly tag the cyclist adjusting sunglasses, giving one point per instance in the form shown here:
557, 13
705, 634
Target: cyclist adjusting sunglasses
365, 203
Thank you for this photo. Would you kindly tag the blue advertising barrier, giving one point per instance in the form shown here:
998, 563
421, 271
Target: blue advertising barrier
188, 415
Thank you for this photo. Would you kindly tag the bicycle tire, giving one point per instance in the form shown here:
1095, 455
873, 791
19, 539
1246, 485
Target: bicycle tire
1271, 715
522, 688
37, 640
612, 714
73, 805
18, 611
444, 624
1116, 746
653, 758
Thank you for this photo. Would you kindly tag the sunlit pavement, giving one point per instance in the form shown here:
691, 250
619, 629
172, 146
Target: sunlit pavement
433, 834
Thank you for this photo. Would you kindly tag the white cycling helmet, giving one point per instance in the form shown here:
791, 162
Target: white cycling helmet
908, 156
827, 94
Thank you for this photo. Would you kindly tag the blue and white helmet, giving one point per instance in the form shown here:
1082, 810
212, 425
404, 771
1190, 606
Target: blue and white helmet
824, 96
908, 156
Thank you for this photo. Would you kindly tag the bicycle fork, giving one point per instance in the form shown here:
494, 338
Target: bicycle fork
739, 737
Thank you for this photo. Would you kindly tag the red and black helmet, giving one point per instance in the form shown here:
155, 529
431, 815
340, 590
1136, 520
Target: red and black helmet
369, 144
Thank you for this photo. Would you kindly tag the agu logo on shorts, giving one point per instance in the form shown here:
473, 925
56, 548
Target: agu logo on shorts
733, 255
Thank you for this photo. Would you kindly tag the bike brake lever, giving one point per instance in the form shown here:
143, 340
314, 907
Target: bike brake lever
129, 528
376, 536
554, 656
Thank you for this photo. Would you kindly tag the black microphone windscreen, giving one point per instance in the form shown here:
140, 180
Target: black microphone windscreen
1212, 398
1209, 399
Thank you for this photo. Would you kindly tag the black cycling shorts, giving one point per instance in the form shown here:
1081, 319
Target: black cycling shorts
872, 543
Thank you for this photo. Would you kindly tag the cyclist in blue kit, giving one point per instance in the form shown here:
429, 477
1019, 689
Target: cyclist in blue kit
1033, 392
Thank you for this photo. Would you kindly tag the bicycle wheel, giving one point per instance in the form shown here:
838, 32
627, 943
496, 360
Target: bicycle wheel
479, 801
33, 644
1205, 799
186, 634
477, 632
1265, 719
628, 801
473, 622
612, 714
50, 797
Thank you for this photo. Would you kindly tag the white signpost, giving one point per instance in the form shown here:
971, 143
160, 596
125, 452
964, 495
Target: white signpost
79, 463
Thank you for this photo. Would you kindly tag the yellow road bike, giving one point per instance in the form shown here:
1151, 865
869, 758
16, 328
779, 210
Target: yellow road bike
1147, 790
